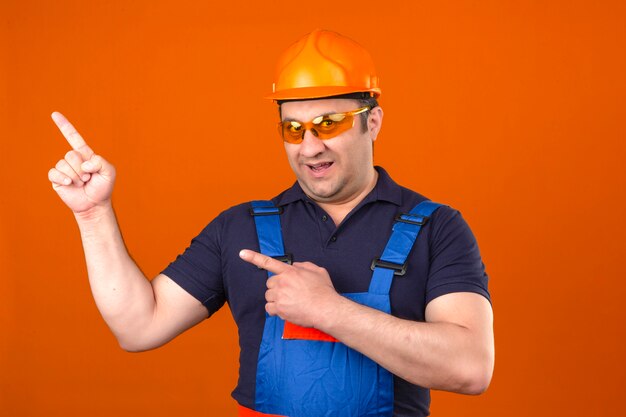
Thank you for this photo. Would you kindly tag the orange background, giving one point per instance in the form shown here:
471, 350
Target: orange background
512, 112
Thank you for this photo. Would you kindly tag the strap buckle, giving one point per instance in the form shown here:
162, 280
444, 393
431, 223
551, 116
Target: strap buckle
416, 219
286, 258
265, 211
398, 269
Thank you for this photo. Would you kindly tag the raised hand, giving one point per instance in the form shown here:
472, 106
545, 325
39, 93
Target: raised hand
82, 179
301, 293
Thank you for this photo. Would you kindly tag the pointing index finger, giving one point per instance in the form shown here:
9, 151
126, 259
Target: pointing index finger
263, 261
74, 138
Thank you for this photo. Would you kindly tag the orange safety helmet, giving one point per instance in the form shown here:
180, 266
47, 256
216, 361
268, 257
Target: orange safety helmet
324, 64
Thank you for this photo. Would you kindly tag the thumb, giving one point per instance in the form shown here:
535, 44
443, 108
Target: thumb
97, 164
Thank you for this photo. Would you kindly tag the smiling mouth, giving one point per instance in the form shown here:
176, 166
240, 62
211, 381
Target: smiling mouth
320, 167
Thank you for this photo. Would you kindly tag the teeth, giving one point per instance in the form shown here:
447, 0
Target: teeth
319, 166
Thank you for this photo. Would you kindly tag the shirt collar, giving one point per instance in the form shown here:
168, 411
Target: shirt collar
385, 189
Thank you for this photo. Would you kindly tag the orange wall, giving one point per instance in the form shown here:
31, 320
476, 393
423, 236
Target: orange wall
513, 112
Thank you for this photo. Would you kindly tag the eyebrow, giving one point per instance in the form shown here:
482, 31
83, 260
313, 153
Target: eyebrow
323, 114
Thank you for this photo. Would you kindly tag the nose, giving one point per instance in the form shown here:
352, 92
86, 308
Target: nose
311, 145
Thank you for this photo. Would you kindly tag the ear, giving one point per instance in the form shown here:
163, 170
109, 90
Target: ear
375, 122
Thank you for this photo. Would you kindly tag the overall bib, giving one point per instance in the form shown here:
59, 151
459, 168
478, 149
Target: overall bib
303, 372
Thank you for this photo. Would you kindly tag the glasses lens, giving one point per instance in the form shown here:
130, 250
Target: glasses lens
332, 125
291, 131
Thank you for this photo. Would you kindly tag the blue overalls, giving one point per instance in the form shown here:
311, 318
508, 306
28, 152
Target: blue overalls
315, 378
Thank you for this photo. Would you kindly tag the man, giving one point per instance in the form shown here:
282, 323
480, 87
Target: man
370, 295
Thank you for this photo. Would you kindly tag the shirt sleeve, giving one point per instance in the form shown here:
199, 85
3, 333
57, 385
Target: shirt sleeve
198, 270
455, 265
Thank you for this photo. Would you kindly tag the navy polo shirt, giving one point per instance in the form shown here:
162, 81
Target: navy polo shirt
445, 259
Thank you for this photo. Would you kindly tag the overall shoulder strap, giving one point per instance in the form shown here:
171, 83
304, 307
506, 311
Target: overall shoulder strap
405, 230
267, 220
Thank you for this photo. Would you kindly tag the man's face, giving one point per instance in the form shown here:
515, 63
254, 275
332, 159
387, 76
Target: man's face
335, 170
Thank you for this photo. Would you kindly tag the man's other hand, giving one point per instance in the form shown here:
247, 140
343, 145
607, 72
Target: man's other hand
82, 179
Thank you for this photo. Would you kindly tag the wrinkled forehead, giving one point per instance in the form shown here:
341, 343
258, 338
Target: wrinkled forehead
305, 110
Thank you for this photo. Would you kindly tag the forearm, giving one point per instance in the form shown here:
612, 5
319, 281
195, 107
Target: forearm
445, 356
142, 314
122, 293
452, 351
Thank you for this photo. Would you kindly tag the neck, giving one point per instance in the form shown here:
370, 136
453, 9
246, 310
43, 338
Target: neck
339, 210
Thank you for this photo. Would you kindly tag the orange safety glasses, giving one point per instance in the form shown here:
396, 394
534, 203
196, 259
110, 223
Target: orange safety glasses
323, 127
